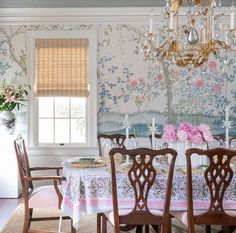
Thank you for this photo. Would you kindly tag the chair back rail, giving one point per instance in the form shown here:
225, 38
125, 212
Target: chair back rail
218, 176
142, 175
23, 165
117, 140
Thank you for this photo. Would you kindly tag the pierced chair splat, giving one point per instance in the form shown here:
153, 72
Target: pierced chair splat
141, 175
218, 176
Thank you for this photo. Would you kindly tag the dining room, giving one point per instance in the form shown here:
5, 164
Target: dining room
117, 116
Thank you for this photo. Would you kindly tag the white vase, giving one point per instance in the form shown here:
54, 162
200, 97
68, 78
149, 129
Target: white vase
7, 122
181, 148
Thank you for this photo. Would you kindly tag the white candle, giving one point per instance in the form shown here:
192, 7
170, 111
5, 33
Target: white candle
232, 17
226, 40
213, 27
227, 127
126, 117
127, 135
171, 26
150, 25
204, 35
153, 133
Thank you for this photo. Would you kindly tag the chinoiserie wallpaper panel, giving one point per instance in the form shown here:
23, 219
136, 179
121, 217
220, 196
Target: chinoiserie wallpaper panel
128, 85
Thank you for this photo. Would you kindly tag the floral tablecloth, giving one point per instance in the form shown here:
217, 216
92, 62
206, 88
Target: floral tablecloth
88, 190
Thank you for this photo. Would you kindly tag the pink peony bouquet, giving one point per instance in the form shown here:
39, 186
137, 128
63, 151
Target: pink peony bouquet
187, 132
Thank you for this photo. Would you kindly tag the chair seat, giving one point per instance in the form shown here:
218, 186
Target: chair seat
110, 215
44, 197
183, 217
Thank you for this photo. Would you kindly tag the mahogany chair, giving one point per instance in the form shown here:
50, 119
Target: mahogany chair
218, 176
37, 197
116, 141
142, 175
158, 136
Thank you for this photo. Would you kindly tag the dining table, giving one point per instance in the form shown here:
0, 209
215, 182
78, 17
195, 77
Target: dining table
89, 190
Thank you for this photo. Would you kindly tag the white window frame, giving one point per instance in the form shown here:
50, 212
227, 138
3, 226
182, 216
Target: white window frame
92, 81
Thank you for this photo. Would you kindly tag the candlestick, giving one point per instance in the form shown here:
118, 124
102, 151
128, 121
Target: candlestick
232, 17
227, 127
153, 133
126, 123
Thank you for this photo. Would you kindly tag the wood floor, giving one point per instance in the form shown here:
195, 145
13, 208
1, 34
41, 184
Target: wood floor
7, 206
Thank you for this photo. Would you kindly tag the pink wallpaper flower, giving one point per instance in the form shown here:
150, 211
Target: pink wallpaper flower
212, 64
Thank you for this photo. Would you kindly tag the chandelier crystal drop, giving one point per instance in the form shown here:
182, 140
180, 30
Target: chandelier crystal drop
192, 33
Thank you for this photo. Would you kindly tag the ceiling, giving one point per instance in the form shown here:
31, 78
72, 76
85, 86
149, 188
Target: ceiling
85, 3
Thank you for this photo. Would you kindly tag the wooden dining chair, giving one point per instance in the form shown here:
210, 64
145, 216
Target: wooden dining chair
115, 140
158, 136
37, 197
218, 176
141, 175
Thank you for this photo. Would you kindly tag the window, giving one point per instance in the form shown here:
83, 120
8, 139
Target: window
62, 109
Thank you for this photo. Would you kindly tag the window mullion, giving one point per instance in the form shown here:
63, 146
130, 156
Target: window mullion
54, 121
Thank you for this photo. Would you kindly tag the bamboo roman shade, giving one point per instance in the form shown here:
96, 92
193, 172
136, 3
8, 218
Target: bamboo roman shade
62, 67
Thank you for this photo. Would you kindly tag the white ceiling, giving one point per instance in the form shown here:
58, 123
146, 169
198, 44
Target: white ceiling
86, 3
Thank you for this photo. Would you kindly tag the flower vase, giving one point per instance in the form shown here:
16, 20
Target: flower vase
181, 148
7, 122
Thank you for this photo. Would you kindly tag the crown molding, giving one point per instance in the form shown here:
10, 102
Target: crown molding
78, 15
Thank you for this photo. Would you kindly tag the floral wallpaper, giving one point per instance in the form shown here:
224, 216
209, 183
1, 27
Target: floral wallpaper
128, 85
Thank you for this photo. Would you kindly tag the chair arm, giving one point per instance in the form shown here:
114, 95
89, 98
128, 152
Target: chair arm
45, 168
35, 178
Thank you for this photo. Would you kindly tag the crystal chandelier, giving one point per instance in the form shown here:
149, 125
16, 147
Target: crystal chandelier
189, 43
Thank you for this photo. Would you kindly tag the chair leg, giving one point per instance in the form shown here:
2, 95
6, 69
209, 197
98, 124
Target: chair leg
208, 228
155, 228
166, 225
146, 228
104, 224
26, 220
139, 229
99, 225
30, 216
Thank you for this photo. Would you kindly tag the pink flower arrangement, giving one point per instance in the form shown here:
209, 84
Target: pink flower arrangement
187, 132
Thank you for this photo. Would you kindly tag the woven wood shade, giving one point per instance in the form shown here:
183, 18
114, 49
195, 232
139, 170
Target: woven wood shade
62, 67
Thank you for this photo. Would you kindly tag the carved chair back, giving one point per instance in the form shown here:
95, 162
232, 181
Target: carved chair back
158, 136
23, 165
218, 176
114, 140
142, 175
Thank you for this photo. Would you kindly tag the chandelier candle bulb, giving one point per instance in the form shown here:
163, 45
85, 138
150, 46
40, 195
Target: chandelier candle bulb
232, 17
227, 127
171, 26
151, 25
